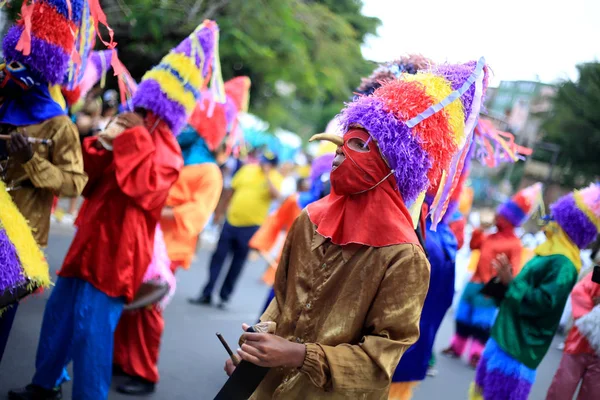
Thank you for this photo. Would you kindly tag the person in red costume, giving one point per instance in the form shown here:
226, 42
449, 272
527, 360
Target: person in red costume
476, 312
580, 362
131, 166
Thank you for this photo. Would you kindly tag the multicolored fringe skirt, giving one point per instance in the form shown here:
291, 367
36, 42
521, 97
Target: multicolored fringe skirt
474, 319
501, 377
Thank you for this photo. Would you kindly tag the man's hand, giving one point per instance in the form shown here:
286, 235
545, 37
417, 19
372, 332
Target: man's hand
20, 148
268, 350
120, 124
229, 367
167, 213
503, 267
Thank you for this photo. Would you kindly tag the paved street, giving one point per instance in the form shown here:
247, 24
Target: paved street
192, 359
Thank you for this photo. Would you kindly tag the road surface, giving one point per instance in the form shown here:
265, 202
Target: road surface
191, 362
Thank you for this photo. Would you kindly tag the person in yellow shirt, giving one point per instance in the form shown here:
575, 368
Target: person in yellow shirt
254, 187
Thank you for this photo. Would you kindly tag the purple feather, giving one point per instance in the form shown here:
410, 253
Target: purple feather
573, 221
49, 60
149, 96
457, 74
206, 38
11, 274
321, 165
497, 386
401, 149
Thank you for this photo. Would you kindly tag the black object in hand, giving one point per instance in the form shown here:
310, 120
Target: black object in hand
596, 274
243, 382
495, 289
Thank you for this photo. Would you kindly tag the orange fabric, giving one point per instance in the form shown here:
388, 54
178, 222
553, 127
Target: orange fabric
126, 191
490, 246
137, 342
266, 237
582, 302
194, 198
402, 390
372, 213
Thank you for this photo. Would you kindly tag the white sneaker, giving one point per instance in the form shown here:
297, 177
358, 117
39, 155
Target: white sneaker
67, 219
561, 346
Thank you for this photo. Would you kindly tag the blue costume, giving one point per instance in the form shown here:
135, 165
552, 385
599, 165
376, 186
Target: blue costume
441, 249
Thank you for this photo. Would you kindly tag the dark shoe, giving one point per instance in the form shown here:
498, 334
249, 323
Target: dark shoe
136, 387
474, 361
449, 352
35, 392
200, 301
118, 371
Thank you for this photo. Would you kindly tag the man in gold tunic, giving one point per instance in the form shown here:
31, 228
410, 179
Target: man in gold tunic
352, 278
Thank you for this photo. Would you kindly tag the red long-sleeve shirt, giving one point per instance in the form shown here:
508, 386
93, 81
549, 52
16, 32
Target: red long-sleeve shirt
582, 302
125, 194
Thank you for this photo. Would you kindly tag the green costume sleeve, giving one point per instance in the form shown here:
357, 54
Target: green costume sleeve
542, 290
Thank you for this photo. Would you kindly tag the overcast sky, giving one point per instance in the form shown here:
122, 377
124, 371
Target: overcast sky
520, 39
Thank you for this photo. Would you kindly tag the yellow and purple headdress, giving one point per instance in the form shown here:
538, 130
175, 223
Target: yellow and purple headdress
388, 71
172, 88
423, 125
578, 214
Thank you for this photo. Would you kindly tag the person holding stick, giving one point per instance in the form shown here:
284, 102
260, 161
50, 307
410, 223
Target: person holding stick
43, 150
353, 277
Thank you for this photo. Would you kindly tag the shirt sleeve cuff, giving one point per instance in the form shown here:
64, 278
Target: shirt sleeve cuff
516, 291
313, 360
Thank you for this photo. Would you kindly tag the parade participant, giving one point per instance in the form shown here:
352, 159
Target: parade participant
131, 167
254, 187
44, 154
580, 362
476, 311
353, 278
534, 300
191, 201
441, 246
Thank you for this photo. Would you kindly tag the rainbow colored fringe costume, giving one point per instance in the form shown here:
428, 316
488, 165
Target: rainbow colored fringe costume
531, 310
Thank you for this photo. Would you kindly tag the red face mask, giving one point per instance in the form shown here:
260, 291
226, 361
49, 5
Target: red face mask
362, 169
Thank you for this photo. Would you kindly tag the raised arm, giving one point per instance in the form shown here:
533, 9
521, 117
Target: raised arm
63, 174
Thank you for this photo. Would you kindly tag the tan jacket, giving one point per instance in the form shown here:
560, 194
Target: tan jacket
55, 170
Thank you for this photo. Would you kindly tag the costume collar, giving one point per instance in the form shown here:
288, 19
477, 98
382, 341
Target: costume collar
347, 250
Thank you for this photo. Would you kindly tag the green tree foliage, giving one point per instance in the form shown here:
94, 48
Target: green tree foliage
574, 125
303, 56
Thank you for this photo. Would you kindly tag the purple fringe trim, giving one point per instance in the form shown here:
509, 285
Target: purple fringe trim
402, 150
49, 60
457, 74
96, 60
496, 385
207, 40
573, 221
11, 274
149, 96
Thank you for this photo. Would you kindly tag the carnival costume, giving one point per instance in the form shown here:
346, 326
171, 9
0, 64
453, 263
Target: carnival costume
38, 58
355, 329
531, 309
581, 358
131, 167
192, 198
476, 312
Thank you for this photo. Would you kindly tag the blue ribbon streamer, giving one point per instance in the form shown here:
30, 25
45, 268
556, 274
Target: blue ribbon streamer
450, 98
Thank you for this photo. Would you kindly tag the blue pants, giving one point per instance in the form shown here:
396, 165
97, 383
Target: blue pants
79, 325
233, 240
6, 321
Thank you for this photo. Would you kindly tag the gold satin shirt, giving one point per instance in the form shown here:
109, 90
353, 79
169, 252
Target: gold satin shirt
357, 309
55, 170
